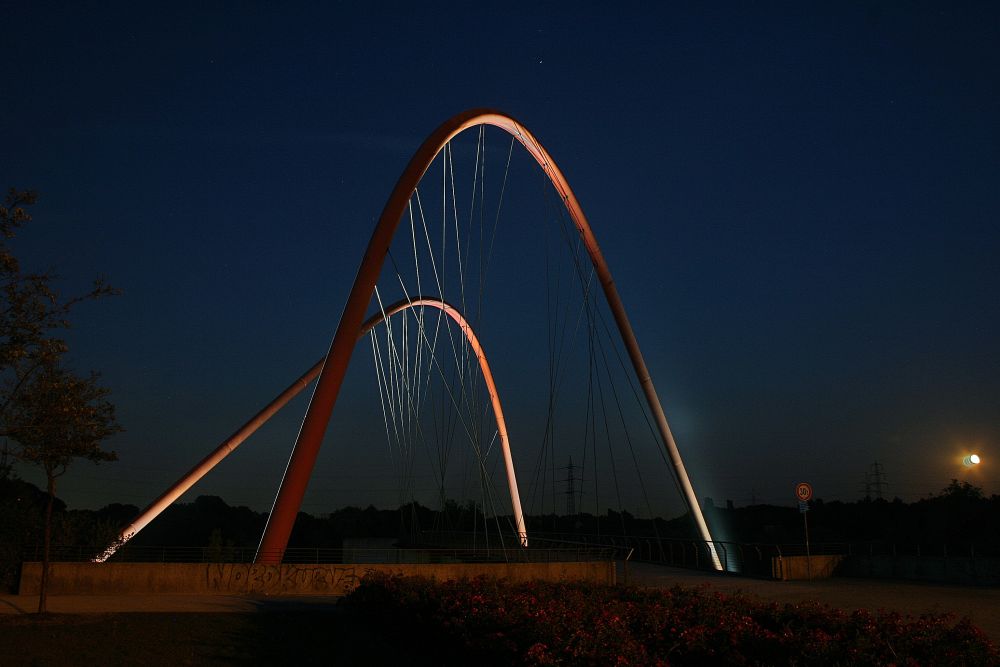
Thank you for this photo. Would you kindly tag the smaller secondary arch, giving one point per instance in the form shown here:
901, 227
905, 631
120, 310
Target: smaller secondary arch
229, 445
491, 388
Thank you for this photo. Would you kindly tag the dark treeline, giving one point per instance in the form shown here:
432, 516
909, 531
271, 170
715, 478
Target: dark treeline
958, 516
22, 512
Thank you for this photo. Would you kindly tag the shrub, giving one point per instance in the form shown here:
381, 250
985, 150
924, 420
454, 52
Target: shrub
495, 622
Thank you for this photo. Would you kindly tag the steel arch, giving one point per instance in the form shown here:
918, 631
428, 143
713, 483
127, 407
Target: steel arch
303, 457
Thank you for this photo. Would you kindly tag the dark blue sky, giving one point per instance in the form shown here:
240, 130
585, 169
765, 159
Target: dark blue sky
799, 204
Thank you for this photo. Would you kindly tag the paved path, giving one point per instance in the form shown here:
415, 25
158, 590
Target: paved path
982, 605
103, 604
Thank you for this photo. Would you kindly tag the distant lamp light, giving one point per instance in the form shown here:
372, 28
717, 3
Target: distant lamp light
971, 460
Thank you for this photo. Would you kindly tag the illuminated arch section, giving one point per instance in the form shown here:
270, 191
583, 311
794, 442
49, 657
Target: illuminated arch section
491, 388
303, 458
236, 439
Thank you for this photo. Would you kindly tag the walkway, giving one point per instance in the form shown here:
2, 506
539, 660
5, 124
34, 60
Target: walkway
981, 605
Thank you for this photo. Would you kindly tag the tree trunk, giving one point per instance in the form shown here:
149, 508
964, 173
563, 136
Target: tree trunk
42, 589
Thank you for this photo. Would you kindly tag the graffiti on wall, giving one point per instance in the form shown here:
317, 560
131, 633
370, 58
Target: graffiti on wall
244, 578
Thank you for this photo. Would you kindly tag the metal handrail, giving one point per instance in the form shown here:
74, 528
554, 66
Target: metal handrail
753, 559
164, 554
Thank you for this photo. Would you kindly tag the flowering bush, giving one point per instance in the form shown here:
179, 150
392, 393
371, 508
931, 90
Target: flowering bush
491, 621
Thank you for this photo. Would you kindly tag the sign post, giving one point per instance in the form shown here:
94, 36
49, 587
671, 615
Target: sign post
803, 491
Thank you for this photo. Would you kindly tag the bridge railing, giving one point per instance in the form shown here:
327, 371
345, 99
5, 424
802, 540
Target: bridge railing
958, 563
687, 553
748, 559
484, 554
936, 561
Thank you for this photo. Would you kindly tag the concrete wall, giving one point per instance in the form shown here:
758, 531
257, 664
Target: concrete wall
788, 568
287, 579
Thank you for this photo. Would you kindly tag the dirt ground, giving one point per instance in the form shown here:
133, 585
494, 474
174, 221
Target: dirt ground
197, 638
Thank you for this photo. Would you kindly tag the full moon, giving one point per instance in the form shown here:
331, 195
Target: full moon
971, 460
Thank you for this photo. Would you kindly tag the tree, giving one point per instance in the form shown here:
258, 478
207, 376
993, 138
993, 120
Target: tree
962, 492
60, 417
6, 463
30, 308
52, 415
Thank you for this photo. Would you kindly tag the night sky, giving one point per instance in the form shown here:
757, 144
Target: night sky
799, 205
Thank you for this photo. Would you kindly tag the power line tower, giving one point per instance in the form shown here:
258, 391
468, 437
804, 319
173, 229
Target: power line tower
878, 479
570, 489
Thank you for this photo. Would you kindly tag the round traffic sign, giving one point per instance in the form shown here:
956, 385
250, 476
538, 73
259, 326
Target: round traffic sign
803, 491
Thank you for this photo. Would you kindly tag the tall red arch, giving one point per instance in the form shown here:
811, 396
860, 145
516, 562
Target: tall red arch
303, 458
